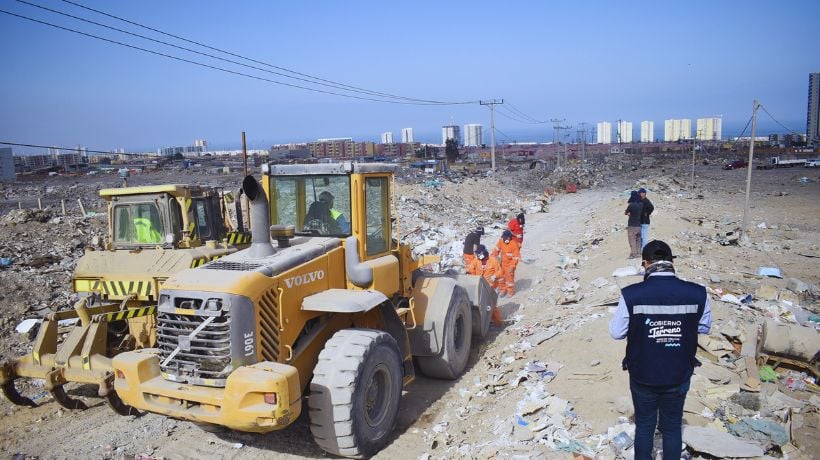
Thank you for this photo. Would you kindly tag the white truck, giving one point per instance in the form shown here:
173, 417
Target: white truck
782, 162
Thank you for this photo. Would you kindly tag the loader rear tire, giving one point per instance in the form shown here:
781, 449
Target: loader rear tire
355, 392
451, 360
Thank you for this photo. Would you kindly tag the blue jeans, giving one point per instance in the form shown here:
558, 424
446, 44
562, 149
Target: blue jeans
644, 235
649, 402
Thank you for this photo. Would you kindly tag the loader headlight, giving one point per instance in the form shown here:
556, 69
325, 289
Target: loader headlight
213, 305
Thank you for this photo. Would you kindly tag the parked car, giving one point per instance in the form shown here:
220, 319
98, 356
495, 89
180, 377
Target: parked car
812, 163
737, 164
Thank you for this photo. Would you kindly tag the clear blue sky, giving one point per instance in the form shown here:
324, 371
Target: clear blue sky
583, 61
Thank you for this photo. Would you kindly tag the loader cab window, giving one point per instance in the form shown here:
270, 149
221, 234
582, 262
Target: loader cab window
377, 212
138, 223
176, 218
201, 217
316, 205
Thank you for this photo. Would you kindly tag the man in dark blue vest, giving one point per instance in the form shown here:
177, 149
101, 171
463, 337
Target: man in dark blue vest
660, 318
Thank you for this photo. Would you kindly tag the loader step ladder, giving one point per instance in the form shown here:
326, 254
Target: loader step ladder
411, 309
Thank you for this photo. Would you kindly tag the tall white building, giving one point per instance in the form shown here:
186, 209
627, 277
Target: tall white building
709, 129
604, 132
387, 137
450, 132
473, 135
677, 129
624, 131
407, 135
647, 131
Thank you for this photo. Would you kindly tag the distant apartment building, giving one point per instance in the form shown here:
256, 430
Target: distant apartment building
64, 160
647, 131
677, 129
387, 137
709, 129
624, 131
813, 110
172, 151
28, 162
202, 144
6, 165
407, 135
473, 135
342, 147
450, 132
604, 132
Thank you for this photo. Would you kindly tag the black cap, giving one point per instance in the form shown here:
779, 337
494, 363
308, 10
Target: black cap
657, 250
479, 230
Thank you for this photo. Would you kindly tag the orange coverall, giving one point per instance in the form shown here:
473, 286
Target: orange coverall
517, 230
510, 255
489, 269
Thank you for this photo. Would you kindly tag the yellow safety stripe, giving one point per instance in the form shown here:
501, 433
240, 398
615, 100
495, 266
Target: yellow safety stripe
238, 238
123, 288
200, 262
130, 313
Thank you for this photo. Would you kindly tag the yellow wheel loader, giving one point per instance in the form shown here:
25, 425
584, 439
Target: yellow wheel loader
153, 232
333, 314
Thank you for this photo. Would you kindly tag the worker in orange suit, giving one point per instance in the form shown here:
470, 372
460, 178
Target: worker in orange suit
471, 243
516, 227
486, 266
510, 252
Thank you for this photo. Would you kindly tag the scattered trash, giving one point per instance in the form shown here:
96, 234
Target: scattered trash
5, 262
622, 441
626, 271
767, 374
25, 326
717, 443
771, 272
763, 431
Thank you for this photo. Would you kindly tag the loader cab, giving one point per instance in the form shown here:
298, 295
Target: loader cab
334, 200
166, 216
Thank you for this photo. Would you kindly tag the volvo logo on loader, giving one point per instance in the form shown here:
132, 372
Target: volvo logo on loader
305, 278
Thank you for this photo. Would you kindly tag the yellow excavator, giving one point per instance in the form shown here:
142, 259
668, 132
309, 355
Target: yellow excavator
333, 314
153, 232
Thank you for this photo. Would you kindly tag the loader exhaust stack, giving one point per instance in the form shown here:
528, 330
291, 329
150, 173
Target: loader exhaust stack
260, 219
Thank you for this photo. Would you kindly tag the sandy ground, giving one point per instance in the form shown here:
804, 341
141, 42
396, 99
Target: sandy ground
590, 378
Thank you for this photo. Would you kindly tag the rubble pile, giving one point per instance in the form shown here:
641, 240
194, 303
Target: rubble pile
748, 399
755, 393
437, 213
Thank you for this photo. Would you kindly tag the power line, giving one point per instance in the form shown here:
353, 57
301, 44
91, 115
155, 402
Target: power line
306, 80
775, 120
284, 69
532, 119
222, 69
74, 149
512, 116
505, 135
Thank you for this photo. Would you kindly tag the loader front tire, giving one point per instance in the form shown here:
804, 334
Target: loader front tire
451, 360
355, 392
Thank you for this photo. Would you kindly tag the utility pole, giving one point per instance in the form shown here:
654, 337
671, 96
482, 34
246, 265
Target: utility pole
492, 103
694, 142
556, 134
755, 106
583, 133
244, 155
